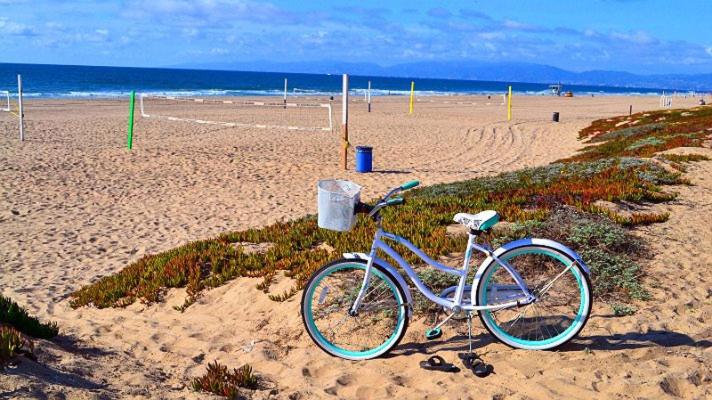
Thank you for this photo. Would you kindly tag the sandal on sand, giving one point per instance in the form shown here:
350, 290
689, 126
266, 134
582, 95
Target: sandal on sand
436, 363
478, 367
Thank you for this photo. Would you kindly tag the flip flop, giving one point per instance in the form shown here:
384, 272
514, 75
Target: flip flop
436, 363
478, 367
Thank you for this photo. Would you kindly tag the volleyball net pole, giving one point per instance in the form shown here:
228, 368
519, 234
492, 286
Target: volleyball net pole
344, 121
412, 96
129, 133
20, 108
285, 93
368, 96
509, 104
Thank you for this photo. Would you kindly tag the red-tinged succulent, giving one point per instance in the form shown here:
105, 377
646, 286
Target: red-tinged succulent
608, 170
222, 382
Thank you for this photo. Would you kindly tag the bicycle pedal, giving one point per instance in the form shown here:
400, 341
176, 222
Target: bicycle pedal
434, 333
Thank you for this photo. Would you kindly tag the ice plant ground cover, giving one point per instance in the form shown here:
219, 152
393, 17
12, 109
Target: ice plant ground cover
16, 329
560, 201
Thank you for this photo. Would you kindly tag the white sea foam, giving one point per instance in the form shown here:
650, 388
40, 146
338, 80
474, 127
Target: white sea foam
297, 92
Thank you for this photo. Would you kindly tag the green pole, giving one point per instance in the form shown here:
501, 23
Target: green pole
132, 101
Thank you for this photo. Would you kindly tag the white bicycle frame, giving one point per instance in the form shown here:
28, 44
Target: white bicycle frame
456, 304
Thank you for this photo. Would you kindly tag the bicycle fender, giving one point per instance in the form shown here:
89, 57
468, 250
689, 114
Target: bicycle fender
394, 272
521, 243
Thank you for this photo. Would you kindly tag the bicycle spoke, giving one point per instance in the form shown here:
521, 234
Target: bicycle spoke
556, 306
374, 322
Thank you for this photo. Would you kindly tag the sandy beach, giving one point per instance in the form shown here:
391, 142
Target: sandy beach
75, 205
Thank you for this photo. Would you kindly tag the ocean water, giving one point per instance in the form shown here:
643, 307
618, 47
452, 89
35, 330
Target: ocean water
52, 81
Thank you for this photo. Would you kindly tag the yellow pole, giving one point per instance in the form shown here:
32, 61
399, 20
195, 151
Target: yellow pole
412, 96
509, 104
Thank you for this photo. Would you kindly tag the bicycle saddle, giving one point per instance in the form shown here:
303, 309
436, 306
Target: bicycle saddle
480, 221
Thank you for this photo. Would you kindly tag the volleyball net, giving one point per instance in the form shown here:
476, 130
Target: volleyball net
237, 113
5, 95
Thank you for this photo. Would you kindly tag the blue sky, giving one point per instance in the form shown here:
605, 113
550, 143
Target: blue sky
641, 36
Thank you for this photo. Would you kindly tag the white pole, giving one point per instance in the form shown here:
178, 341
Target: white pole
20, 109
344, 120
369, 96
285, 93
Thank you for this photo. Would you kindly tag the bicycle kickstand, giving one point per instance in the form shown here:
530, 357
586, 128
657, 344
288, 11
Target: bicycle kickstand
470, 359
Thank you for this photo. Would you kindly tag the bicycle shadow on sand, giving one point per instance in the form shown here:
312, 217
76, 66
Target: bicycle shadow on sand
457, 343
614, 342
635, 340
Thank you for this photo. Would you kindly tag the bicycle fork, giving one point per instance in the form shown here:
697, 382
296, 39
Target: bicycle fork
367, 276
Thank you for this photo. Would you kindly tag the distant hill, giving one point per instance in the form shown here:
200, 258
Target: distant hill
477, 70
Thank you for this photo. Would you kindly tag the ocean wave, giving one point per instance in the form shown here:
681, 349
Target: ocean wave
299, 92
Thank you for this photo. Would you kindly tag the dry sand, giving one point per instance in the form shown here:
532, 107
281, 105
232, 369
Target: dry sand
76, 205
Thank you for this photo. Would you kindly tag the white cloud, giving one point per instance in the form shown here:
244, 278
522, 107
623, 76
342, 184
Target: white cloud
190, 32
637, 37
709, 50
209, 12
9, 27
491, 35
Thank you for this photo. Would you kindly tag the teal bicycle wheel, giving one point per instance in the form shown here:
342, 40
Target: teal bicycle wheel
562, 306
378, 326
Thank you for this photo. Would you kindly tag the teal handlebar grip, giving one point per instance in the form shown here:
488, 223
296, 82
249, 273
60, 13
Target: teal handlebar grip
409, 185
395, 202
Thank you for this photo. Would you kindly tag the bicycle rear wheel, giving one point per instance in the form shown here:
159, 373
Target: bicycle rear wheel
563, 304
381, 320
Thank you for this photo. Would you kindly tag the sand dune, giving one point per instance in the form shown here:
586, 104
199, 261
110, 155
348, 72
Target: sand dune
76, 205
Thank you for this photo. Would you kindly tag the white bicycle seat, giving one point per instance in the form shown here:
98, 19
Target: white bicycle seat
480, 221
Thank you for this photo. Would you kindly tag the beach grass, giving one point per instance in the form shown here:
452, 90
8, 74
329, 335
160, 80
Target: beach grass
17, 317
12, 343
16, 325
611, 169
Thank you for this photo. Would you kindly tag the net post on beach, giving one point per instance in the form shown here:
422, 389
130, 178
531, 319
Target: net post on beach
509, 103
412, 97
344, 121
18, 112
132, 104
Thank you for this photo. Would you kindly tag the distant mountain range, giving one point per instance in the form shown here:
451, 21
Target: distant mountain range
476, 70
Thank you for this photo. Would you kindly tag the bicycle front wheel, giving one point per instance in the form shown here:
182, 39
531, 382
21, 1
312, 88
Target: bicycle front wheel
378, 326
562, 307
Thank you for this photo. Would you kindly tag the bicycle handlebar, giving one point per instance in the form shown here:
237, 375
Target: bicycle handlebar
386, 200
409, 185
395, 202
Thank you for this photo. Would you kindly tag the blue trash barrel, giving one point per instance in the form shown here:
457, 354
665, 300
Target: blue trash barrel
364, 159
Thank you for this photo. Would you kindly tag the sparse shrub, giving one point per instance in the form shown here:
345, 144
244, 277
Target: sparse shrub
218, 380
14, 315
655, 132
684, 158
648, 141
11, 344
620, 310
607, 249
437, 280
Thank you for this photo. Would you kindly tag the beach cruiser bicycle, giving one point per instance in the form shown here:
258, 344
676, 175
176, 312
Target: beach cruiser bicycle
532, 294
